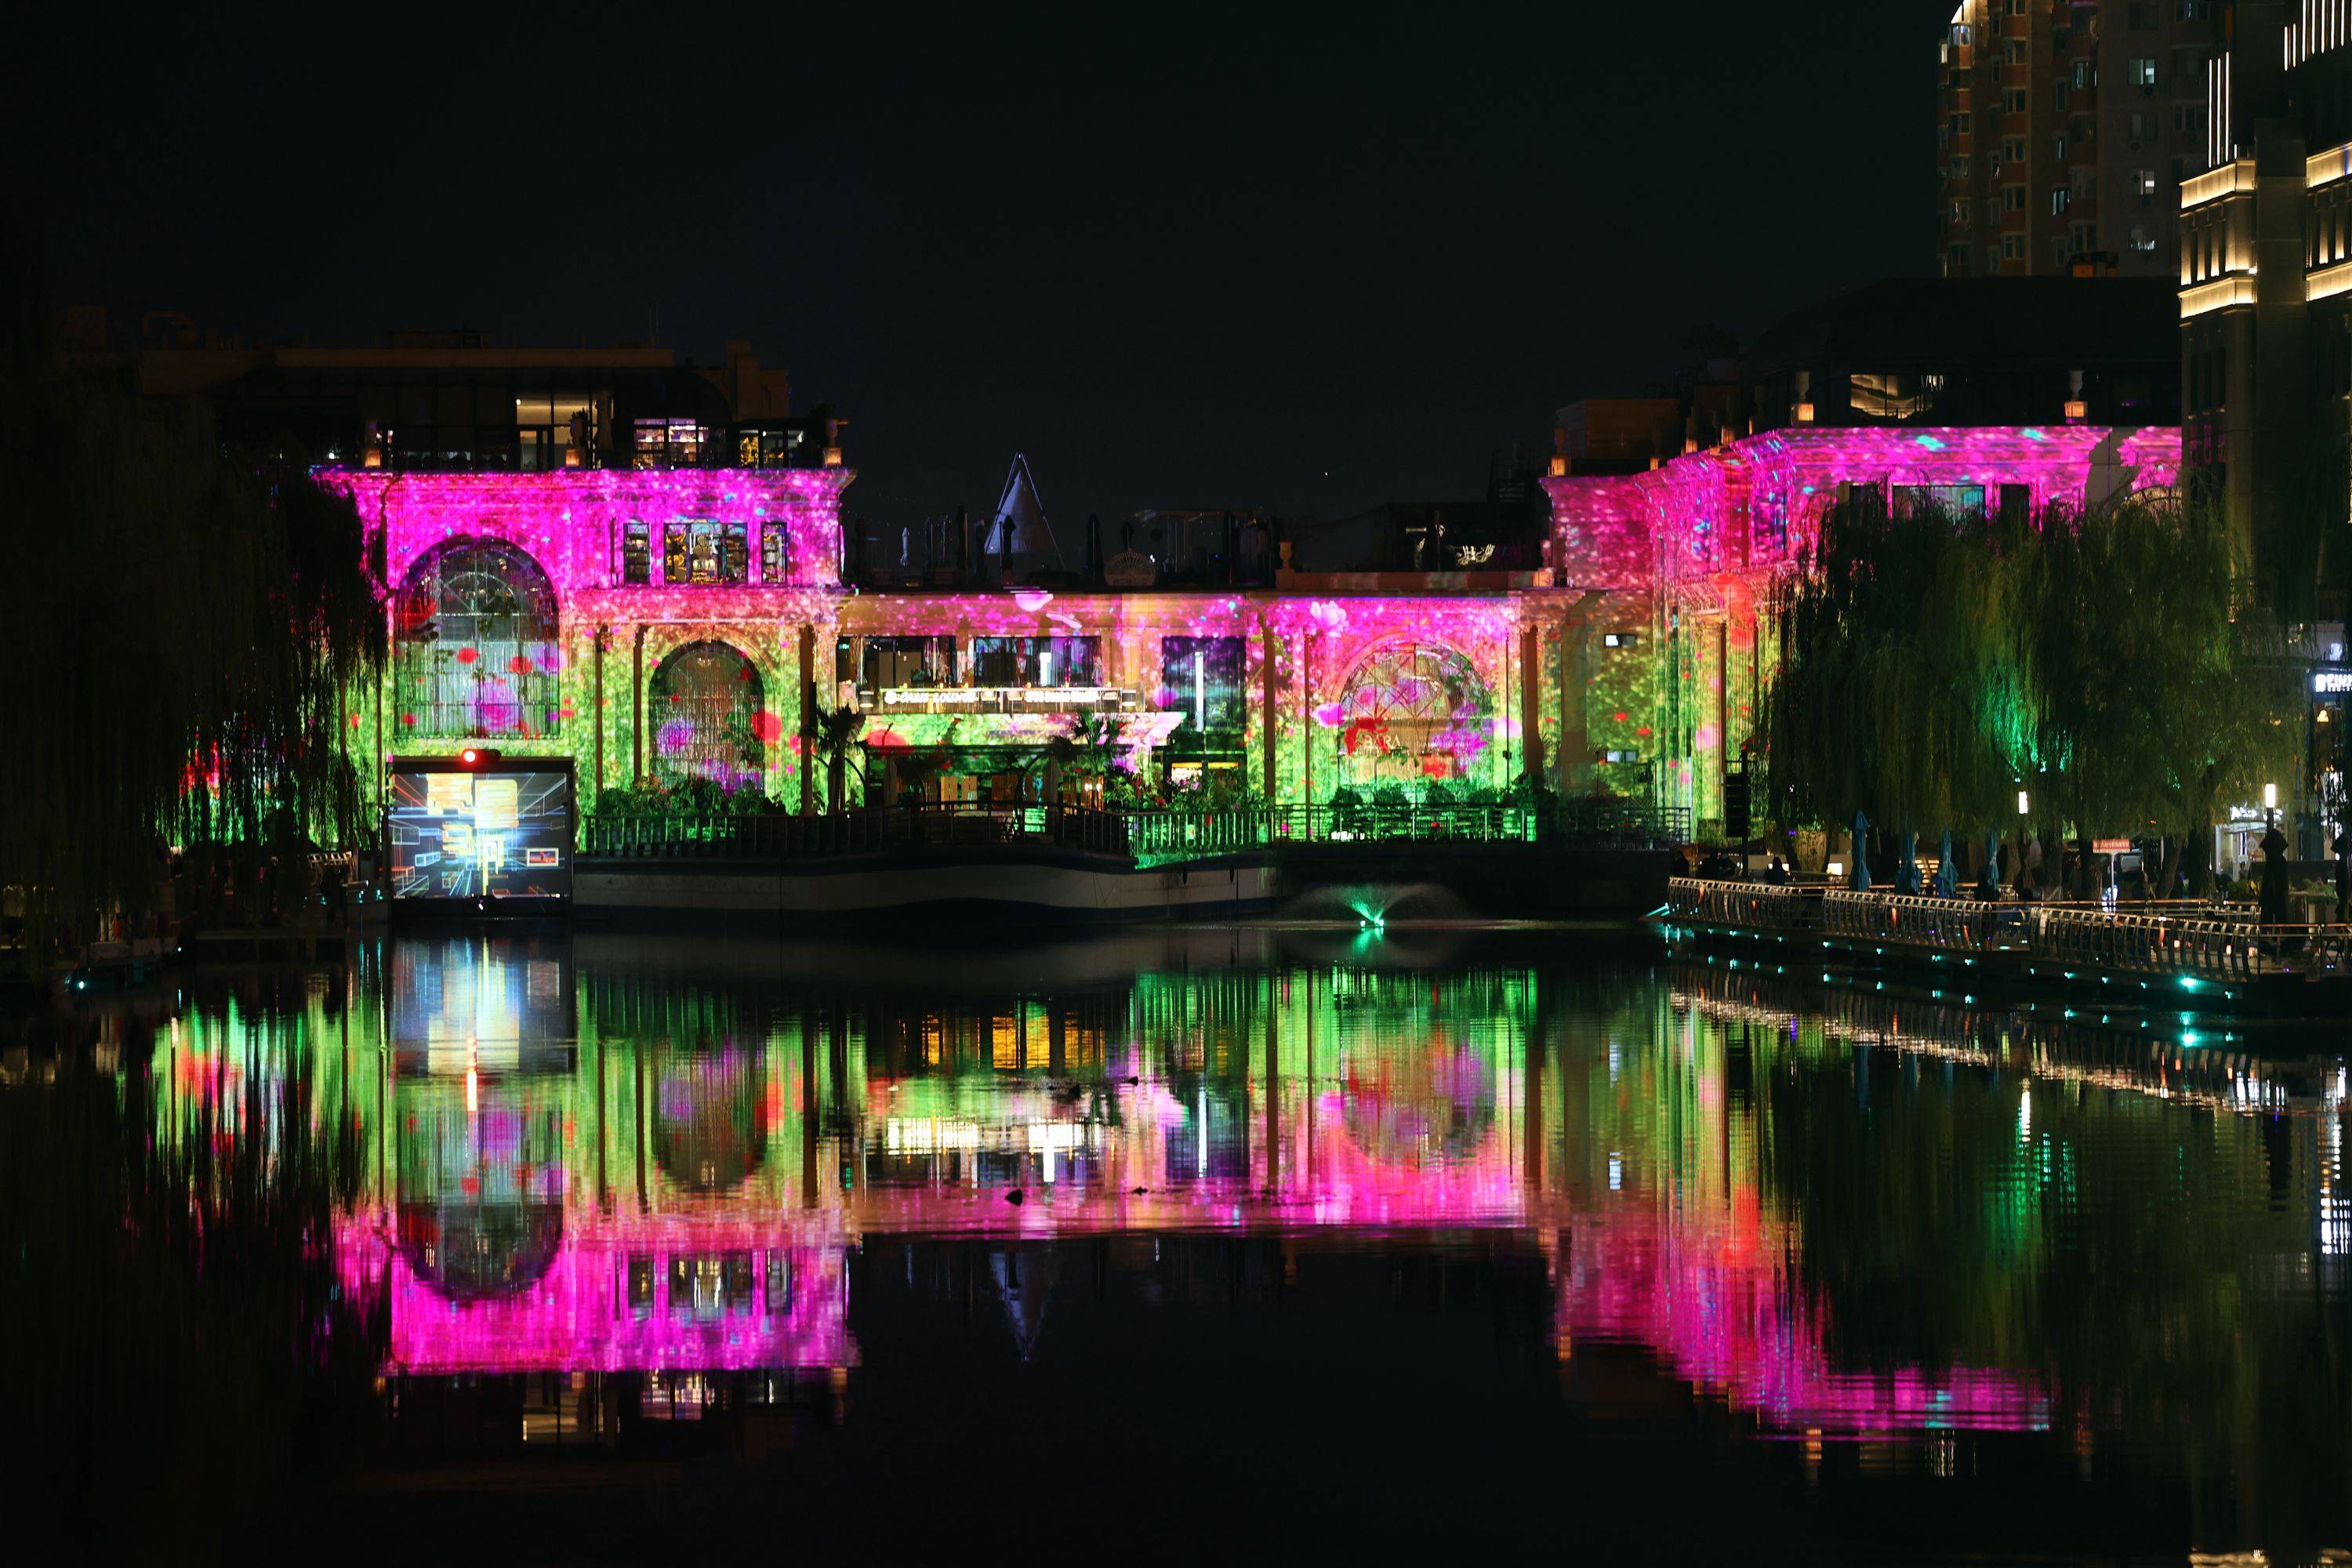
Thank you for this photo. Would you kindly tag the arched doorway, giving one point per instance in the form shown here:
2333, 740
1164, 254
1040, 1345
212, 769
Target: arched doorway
705, 708
476, 649
1412, 711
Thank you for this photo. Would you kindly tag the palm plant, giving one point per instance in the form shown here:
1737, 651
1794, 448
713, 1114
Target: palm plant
832, 731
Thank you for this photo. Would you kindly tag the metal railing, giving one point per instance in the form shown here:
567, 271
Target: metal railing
939, 825
2186, 938
1151, 837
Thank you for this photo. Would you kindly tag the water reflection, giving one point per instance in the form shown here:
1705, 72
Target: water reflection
1851, 1219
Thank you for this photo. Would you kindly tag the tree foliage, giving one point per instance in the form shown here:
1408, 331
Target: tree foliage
182, 625
2103, 657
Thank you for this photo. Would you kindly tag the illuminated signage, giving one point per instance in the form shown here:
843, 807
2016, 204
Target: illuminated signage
2331, 682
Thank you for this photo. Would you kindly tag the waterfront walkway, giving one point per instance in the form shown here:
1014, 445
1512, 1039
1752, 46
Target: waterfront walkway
2222, 952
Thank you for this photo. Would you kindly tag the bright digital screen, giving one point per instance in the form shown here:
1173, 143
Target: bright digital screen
457, 835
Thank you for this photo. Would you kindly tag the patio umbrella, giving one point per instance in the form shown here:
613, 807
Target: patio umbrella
1947, 876
1859, 877
1906, 863
1990, 883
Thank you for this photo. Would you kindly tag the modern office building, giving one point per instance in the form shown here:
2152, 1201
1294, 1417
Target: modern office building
2266, 341
2063, 127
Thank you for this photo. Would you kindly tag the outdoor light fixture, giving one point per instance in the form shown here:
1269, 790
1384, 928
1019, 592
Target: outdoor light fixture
476, 756
2024, 806
2269, 797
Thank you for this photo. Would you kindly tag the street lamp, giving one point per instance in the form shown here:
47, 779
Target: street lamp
2024, 806
2269, 797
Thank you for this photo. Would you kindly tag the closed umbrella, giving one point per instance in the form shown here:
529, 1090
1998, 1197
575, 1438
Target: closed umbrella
1947, 876
1906, 864
1859, 877
1990, 884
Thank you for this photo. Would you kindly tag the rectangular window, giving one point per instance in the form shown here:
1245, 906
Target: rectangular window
668, 443
2013, 248
1952, 501
2141, 71
636, 553
2140, 16
2013, 198
904, 663
1959, 123
2082, 74
1202, 678
775, 551
2013, 149
2189, 118
2058, 97
2017, 100
2058, 202
2140, 127
2145, 185
1036, 661
705, 553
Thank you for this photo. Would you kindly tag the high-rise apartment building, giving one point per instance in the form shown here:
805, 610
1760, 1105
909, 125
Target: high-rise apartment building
2065, 127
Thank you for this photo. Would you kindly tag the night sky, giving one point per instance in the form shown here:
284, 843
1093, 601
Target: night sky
1181, 258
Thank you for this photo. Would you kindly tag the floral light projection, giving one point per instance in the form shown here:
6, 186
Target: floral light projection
475, 644
1412, 710
707, 706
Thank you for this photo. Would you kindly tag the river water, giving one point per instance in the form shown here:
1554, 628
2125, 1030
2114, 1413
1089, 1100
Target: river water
502, 1245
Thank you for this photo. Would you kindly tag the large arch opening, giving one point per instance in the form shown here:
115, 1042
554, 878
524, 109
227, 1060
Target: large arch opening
1412, 711
475, 647
707, 704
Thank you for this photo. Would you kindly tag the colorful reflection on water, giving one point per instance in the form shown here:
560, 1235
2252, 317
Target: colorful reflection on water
611, 1156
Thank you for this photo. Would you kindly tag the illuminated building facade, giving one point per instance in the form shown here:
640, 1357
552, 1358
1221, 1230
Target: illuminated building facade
658, 624
2265, 293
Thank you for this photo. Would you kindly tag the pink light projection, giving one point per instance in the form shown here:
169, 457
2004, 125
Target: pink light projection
571, 523
1715, 1302
735, 1291
1751, 505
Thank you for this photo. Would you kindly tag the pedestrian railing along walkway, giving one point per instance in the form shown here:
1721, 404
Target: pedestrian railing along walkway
2186, 938
1151, 837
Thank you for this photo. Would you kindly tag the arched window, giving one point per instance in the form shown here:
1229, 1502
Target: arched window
1412, 710
475, 648
708, 713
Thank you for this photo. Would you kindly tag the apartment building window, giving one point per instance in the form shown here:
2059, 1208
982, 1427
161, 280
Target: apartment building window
2143, 238
2062, 254
2189, 118
2192, 10
2058, 147
1959, 215
2082, 74
2013, 248
2079, 238
1993, 258
2017, 100
1956, 264
2143, 186
2140, 128
1959, 123
2058, 97
2140, 16
2013, 7
2013, 198
2058, 202
1960, 34
2141, 71
2013, 149
775, 551
636, 553
2014, 51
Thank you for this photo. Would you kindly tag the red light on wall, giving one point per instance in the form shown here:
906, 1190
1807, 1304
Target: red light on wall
476, 756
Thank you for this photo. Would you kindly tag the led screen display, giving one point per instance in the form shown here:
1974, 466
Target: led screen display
503, 834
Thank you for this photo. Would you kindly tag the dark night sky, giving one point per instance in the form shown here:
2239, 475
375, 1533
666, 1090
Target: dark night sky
1180, 256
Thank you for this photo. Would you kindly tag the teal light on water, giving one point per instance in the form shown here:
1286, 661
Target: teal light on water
2190, 983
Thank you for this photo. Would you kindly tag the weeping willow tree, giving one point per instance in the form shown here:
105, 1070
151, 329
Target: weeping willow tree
2165, 692
182, 625
2103, 657
1902, 692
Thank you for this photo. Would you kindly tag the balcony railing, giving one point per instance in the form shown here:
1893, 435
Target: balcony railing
952, 699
